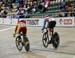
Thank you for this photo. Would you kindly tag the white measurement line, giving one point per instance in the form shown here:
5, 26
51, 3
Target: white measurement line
6, 29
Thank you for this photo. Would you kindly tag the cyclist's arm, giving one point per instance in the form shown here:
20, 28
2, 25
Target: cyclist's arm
17, 26
44, 23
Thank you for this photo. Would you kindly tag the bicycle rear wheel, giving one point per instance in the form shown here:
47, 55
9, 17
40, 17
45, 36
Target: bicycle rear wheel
45, 39
26, 44
19, 43
55, 40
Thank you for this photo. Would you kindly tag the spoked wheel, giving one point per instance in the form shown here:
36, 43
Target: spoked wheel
26, 44
45, 39
19, 43
55, 40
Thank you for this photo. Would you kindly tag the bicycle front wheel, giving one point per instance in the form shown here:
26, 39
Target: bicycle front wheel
45, 39
19, 43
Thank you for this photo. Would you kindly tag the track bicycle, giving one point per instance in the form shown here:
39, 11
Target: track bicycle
55, 40
22, 41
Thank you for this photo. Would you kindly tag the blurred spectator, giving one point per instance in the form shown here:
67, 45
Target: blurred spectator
17, 3
10, 7
62, 5
5, 2
25, 2
3, 13
34, 7
28, 7
40, 7
46, 3
21, 2
69, 10
33, 10
26, 15
22, 13
14, 8
29, 2
0, 6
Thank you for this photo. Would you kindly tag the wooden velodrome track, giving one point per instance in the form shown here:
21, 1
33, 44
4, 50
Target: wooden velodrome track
8, 48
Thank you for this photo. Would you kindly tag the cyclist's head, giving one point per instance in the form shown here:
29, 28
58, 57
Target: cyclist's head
24, 21
47, 17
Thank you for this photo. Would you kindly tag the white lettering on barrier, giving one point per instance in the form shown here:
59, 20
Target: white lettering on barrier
62, 21
65, 21
0, 20
14, 21
32, 22
74, 21
6, 21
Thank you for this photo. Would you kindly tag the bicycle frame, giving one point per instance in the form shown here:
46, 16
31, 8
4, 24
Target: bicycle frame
50, 30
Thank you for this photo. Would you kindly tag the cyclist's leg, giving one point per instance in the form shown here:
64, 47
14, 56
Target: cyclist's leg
24, 31
49, 28
50, 31
52, 25
19, 32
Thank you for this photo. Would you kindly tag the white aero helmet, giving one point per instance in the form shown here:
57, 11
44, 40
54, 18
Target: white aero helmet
53, 19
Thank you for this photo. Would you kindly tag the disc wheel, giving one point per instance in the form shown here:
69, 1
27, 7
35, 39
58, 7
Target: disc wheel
26, 44
55, 40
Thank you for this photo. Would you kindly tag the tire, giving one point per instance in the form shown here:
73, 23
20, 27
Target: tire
26, 44
45, 39
55, 40
19, 43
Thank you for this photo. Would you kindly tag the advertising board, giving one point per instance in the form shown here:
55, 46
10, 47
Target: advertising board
61, 21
